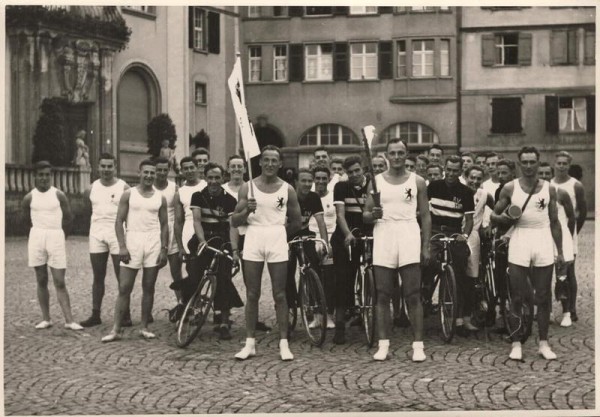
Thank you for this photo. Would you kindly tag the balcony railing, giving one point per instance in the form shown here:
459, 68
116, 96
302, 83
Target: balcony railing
21, 178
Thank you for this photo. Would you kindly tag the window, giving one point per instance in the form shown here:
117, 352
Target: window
200, 93
412, 132
572, 114
254, 63
143, 9
319, 62
328, 134
563, 47
444, 57
363, 9
280, 11
318, 11
401, 61
363, 61
279, 62
199, 28
422, 9
254, 11
422, 58
507, 49
506, 115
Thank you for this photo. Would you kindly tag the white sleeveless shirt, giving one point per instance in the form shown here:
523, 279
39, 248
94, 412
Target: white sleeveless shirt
329, 215
45, 209
185, 196
569, 187
105, 201
399, 201
271, 208
535, 215
143, 212
169, 194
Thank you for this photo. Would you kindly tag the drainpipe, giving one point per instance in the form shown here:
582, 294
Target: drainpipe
458, 78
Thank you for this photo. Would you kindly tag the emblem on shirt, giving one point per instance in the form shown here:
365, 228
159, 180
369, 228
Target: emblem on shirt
456, 201
541, 203
408, 193
280, 202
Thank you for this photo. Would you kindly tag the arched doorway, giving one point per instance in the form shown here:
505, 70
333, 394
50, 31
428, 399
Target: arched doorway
138, 101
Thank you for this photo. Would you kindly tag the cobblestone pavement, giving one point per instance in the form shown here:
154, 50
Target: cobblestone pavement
57, 371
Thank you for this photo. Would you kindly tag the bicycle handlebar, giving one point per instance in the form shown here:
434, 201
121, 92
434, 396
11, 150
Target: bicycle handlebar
302, 239
444, 238
224, 253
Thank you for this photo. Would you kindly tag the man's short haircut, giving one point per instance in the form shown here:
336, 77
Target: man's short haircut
546, 165
412, 158
380, 157
469, 154
187, 159
336, 160
201, 151
475, 168
321, 169
39, 165
423, 158
306, 171
436, 166
483, 154
160, 160
491, 155
351, 160
106, 155
564, 154
507, 163
213, 165
149, 162
319, 149
455, 159
435, 146
235, 156
576, 171
271, 148
529, 149
396, 140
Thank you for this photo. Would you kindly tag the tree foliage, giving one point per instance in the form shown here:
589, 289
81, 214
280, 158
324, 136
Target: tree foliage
200, 140
160, 128
49, 142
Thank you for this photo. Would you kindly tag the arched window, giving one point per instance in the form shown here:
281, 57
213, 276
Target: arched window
414, 133
328, 134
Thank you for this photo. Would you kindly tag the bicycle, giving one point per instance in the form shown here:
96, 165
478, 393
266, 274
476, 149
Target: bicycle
313, 305
447, 294
200, 303
364, 287
522, 323
484, 314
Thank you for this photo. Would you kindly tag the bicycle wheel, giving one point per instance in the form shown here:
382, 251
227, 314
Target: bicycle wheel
448, 303
313, 307
196, 311
368, 301
490, 296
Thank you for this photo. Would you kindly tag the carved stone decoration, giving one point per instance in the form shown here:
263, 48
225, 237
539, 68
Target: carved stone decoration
79, 62
107, 64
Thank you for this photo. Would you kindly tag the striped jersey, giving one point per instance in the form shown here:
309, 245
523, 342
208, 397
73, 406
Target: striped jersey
215, 211
353, 198
448, 204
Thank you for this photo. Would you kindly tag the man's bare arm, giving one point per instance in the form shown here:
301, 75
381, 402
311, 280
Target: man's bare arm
581, 205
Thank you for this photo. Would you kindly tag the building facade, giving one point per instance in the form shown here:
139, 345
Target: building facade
316, 75
529, 79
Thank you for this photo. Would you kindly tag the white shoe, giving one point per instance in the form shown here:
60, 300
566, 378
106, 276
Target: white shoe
316, 322
44, 324
566, 320
469, 326
248, 350
418, 352
546, 352
284, 350
73, 326
330, 322
382, 352
516, 354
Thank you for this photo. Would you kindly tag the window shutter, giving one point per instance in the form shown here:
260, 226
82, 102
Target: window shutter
488, 57
558, 47
386, 62
384, 10
590, 48
551, 114
572, 47
191, 27
295, 11
340, 63
214, 32
591, 113
341, 11
296, 62
524, 48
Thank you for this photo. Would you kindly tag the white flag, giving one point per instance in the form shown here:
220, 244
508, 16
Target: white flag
236, 88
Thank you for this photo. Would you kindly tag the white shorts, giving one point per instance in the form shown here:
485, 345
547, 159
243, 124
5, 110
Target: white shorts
567, 244
531, 247
47, 246
396, 244
186, 234
266, 243
144, 249
474, 242
103, 238
172, 247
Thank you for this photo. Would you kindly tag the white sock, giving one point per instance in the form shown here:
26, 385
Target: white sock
248, 350
284, 350
418, 352
516, 352
382, 352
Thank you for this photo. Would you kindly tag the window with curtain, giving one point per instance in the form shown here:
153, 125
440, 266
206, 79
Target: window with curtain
319, 62
422, 58
363, 61
572, 114
254, 63
328, 134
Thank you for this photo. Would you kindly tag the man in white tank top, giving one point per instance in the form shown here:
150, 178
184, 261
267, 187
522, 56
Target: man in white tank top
47, 210
265, 209
398, 243
530, 247
103, 197
184, 221
562, 179
143, 247
169, 190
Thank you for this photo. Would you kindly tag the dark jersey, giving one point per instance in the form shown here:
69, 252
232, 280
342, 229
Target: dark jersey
215, 212
310, 206
448, 204
353, 198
